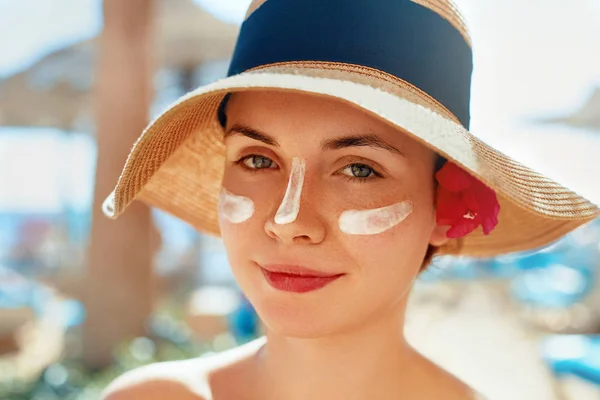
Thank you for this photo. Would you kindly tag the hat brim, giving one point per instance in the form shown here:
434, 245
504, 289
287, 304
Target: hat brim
177, 163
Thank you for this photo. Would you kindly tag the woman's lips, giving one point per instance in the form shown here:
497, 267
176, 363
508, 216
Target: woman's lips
297, 279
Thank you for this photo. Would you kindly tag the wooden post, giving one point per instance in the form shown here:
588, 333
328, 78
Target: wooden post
118, 292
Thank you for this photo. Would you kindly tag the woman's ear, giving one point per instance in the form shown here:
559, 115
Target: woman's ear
438, 236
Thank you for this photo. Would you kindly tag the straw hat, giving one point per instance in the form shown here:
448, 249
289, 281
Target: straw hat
408, 62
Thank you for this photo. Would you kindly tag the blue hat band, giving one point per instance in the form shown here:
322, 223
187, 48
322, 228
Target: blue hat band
399, 37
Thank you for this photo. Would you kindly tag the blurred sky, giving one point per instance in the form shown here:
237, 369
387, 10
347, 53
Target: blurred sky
31, 29
533, 58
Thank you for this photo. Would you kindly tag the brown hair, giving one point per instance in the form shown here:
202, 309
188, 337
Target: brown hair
431, 250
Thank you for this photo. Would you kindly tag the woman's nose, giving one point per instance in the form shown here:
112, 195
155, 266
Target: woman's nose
307, 228
295, 221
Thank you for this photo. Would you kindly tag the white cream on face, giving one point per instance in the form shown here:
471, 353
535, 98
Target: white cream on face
373, 222
290, 206
235, 209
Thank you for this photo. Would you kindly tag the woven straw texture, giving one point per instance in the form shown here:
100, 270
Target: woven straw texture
177, 163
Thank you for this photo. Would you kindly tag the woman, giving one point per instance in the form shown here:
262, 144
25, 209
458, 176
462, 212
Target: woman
334, 162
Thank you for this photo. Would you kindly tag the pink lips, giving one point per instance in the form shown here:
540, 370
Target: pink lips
297, 279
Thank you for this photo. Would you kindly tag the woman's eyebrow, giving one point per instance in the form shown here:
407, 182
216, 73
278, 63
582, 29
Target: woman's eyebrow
252, 134
368, 140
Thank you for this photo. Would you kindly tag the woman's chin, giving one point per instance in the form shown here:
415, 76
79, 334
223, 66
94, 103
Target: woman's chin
303, 315
297, 323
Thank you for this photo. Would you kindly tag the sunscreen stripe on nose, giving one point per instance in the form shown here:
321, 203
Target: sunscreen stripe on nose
290, 206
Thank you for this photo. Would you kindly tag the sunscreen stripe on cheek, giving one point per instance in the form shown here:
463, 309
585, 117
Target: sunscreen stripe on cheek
235, 209
290, 206
373, 222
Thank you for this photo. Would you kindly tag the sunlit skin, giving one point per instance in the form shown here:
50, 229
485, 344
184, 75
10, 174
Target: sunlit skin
345, 340
380, 268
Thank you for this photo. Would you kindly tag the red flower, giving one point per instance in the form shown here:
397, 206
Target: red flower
464, 203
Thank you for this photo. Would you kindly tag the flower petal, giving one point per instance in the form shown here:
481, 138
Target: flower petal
461, 229
453, 177
460, 194
471, 201
450, 207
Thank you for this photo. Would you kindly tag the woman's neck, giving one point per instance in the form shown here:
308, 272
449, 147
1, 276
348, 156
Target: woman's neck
374, 361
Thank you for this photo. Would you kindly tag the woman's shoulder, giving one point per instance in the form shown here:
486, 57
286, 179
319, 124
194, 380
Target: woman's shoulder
178, 380
436, 382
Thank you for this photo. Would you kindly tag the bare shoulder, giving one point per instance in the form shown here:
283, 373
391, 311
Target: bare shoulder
177, 380
453, 388
440, 383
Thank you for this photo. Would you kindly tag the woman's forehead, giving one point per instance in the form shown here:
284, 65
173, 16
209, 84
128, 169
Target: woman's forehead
282, 113
295, 103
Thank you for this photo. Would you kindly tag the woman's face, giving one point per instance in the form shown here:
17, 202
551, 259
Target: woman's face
339, 159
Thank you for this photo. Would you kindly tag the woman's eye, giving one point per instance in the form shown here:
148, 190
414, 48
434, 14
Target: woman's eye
258, 162
360, 171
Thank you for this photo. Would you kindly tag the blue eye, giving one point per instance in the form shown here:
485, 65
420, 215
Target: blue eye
359, 171
258, 162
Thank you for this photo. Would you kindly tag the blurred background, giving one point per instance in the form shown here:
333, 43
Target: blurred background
83, 299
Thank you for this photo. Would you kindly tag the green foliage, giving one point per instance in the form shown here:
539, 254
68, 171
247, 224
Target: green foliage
168, 340
71, 380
